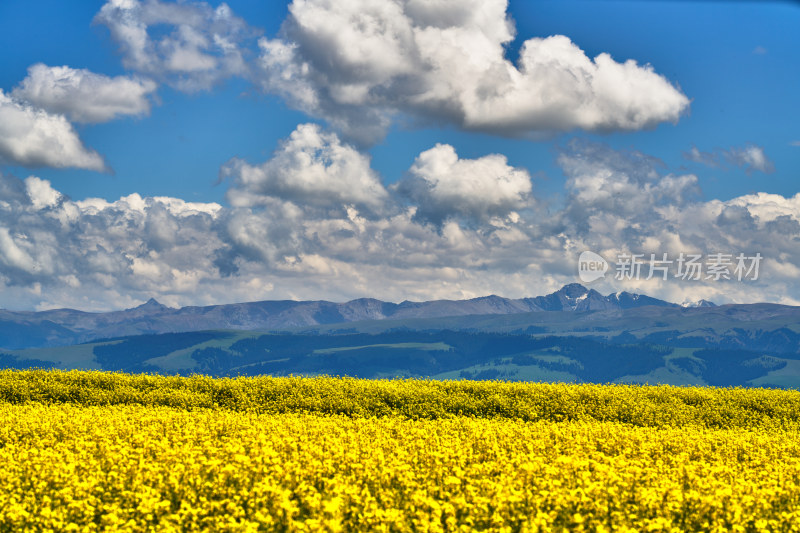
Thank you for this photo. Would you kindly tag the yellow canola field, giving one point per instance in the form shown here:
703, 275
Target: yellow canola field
656, 406
67, 466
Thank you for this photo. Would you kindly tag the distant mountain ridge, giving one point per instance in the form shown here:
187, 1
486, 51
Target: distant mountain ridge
574, 334
61, 327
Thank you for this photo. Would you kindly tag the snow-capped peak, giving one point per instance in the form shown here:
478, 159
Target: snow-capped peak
698, 303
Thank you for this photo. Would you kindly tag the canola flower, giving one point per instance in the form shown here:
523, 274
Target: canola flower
657, 406
150, 453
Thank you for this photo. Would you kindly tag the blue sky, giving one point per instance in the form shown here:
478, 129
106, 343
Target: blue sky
700, 133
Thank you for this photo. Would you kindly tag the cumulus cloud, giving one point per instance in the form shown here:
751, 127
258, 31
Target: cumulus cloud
97, 254
286, 242
312, 168
32, 137
189, 45
41, 193
623, 202
357, 63
750, 157
768, 207
444, 186
626, 183
84, 96
54, 250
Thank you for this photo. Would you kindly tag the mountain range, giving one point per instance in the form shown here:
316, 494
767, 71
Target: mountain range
574, 334
62, 327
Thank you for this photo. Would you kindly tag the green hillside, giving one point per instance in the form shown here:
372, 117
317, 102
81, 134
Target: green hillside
438, 354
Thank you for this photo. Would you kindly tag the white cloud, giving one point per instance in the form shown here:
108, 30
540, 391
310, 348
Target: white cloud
41, 193
442, 185
12, 254
621, 202
625, 185
84, 96
33, 137
289, 243
99, 249
709, 159
750, 157
795, 143
313, 168
356, 63
768, 207
202, 47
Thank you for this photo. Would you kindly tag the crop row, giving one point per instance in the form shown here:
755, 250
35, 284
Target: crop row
648, 406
